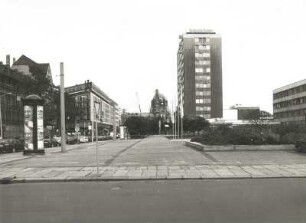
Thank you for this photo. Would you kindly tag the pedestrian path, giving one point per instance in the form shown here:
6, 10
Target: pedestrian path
154, 158
39, 174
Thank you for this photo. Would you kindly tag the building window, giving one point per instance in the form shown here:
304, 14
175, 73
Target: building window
207, 93
202, 62
203, 47
203, 85
199, 93
207, 108
199, 101
206, 55
196, 40
207, 70
198, 108
199, 70
202, 78
207, 116
204, 93
207, 100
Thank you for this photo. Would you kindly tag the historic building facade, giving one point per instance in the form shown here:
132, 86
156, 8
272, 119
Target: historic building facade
11, 112
93, 105
159, 106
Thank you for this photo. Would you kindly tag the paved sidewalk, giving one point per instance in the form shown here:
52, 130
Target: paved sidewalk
153, 158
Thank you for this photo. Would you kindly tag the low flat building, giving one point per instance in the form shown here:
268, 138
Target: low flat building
289, 103
244, 115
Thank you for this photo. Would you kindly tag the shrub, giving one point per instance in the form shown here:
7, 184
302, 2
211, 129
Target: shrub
239, 135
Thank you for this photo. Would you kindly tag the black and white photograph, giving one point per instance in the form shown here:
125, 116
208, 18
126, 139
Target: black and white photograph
157, 111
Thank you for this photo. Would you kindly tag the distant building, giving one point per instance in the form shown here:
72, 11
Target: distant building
29, 67
159, 106
11, 110
199, 74
244, 115
289, 103
248, 113
87, 96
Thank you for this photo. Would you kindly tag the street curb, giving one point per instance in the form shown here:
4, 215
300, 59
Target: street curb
16, 181
238, 148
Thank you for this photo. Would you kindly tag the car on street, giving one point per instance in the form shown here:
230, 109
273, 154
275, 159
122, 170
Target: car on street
51, 143
11, 145
84, 139
71, 139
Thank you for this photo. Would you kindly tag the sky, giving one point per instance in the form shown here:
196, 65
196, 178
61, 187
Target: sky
129, 46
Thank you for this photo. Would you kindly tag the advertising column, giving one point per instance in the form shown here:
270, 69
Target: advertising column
33, 125
28, 127
40, 127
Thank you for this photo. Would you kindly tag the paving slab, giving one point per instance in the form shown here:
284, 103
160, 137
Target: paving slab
148, 159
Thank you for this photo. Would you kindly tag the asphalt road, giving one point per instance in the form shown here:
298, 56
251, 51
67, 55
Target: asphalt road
245, 201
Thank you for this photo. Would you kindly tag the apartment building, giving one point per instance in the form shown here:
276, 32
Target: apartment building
199, 74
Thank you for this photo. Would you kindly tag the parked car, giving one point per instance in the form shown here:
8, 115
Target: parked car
51, 143
57, 139
71, 139
11, 145
84, 139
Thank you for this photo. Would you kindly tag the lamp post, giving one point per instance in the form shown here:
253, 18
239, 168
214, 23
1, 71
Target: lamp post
1, 129
181, 108
97, 108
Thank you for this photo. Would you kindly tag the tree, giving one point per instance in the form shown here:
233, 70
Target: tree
194, 123
136, 125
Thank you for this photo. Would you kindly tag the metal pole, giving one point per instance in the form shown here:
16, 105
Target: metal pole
182, 114
62, 94
97, 151
92, 131
173, 121
174, 126
114, 126
178, 122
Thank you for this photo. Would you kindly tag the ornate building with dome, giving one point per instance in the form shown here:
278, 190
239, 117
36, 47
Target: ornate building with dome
159, 106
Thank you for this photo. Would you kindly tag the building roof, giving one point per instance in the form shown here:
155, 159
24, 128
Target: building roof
158, 96
95, 89
201, 31
24, 60
289, 86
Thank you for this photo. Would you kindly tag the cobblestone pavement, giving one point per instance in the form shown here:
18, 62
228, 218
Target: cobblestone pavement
151, 158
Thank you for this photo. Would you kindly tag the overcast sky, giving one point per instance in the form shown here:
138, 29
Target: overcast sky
129, 46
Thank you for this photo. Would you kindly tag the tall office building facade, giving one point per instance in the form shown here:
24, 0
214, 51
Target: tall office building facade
199, 74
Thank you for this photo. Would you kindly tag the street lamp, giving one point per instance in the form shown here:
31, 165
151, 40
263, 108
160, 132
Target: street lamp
97, 108
1, 124
181, 108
